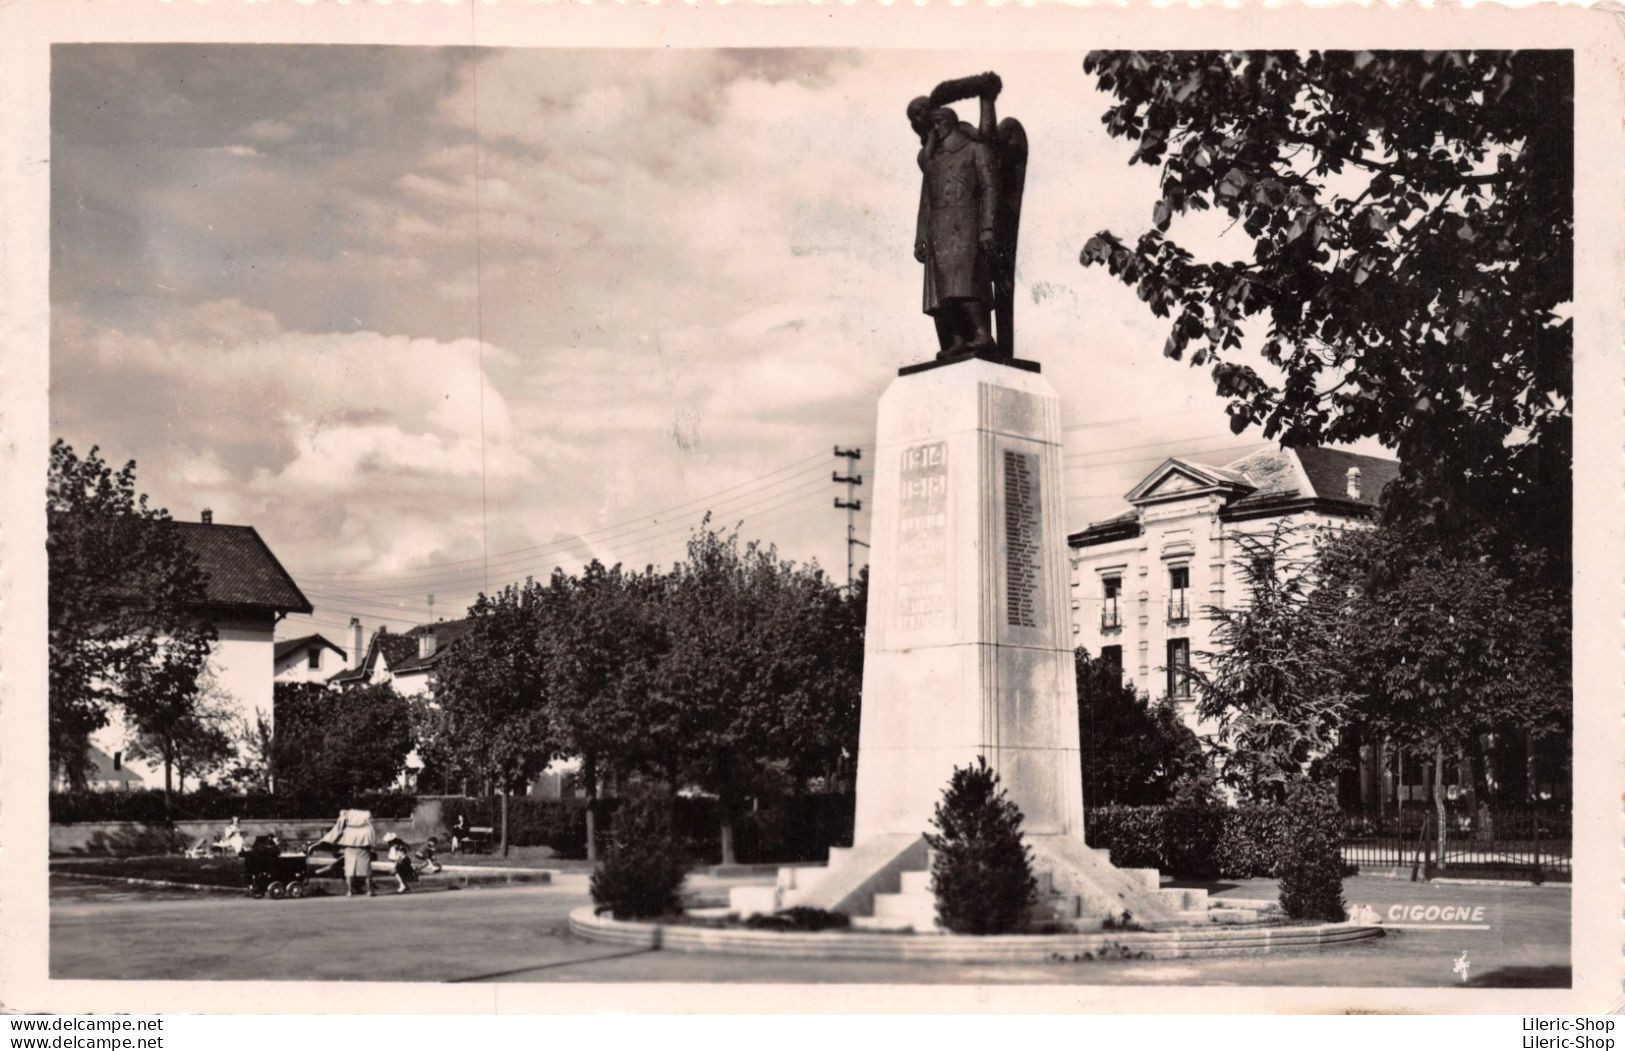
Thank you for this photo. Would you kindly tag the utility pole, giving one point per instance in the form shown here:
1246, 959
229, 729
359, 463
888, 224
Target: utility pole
851, 505
431, 607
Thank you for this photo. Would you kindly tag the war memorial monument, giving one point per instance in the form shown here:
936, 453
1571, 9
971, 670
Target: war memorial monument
968, 651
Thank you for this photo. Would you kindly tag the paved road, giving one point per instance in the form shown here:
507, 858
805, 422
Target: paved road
520, 934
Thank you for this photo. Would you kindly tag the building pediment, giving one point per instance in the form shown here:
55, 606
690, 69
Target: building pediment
1180, 480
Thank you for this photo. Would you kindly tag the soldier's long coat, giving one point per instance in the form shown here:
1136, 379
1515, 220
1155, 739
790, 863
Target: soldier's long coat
958, 198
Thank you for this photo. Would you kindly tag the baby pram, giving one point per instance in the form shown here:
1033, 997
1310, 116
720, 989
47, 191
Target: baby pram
271, 872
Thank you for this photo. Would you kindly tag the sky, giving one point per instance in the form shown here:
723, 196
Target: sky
433, 320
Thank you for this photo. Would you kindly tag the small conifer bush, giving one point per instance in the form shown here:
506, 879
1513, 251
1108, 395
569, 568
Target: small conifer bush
641, 874
981, 871
1312, 865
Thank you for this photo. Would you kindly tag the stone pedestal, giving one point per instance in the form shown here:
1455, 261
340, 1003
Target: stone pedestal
969, 636
968, 652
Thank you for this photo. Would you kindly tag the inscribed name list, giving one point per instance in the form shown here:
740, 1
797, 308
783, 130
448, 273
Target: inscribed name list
1022, 547
922, 538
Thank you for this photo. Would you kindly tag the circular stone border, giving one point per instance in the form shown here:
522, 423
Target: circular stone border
1211, 940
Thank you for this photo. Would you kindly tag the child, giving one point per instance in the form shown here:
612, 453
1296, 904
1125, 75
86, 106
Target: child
427, 855
404, 873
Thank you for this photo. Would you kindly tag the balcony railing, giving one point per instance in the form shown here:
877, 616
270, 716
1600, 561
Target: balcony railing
1178, 611
1110, 618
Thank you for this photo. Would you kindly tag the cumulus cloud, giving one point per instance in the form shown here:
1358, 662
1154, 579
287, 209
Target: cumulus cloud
397, 310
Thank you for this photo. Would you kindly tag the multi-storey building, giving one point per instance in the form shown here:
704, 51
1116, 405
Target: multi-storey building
1144, 581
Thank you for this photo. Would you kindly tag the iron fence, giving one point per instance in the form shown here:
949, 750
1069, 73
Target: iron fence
1524, 844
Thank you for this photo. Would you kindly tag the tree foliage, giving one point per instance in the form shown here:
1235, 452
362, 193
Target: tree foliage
124, 593
181, 719
1436, 644
1411, 220
1270, 683
1133, 751
755, 673
491, 696
600, 657
337, 744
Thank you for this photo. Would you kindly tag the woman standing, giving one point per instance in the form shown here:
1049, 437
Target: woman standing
354, 833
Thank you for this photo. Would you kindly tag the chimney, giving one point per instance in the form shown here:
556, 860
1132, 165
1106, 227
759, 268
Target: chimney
356, 653
426, 643
208, 516
1354, 483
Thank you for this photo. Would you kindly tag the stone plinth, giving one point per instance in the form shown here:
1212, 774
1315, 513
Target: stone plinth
969, 639
968, 648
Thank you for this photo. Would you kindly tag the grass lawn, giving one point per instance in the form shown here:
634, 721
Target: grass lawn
208, 872
518, 858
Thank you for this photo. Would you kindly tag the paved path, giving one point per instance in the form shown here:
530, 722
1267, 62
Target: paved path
520, 934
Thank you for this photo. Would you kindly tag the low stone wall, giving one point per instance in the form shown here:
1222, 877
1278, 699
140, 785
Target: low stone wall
1196, 940
132, 837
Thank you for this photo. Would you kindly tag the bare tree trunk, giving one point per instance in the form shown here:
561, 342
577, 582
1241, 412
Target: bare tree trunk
1399, 761
1464, 774
727, 836
169, 763
589, 771
505, 789
1382, 779
1530, 776
1438, 796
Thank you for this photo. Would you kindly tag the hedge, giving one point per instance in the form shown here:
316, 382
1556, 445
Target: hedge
1193, 841
147, 806
792, 828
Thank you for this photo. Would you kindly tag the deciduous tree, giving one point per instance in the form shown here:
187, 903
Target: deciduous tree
124, 593
1411, 224
492, 690
336, 743
600, 651
1435, 646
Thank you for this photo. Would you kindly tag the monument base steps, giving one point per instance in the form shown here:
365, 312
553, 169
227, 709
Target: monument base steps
887, 886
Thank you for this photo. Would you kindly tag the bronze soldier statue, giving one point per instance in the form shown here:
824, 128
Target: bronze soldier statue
970, 209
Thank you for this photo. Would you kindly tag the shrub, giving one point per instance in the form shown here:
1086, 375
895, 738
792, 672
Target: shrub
560, 824
642, 872
1252, 841
1192, 825
212, 804
1312, 866
799, 918
1133, 834
981, 872
791, 828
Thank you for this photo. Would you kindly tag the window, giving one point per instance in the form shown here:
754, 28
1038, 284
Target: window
1179, 667
1110, 616
315, 658
1179, 582
1113, 657
118, 760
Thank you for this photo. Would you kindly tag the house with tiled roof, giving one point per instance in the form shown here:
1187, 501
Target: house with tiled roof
106, 773
1143, 580
308, 658
246, 592
405, 659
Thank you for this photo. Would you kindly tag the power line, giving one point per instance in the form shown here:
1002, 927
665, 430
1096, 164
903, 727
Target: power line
448, 582
1175, 442
1158, 456
1093, 424
434, 566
